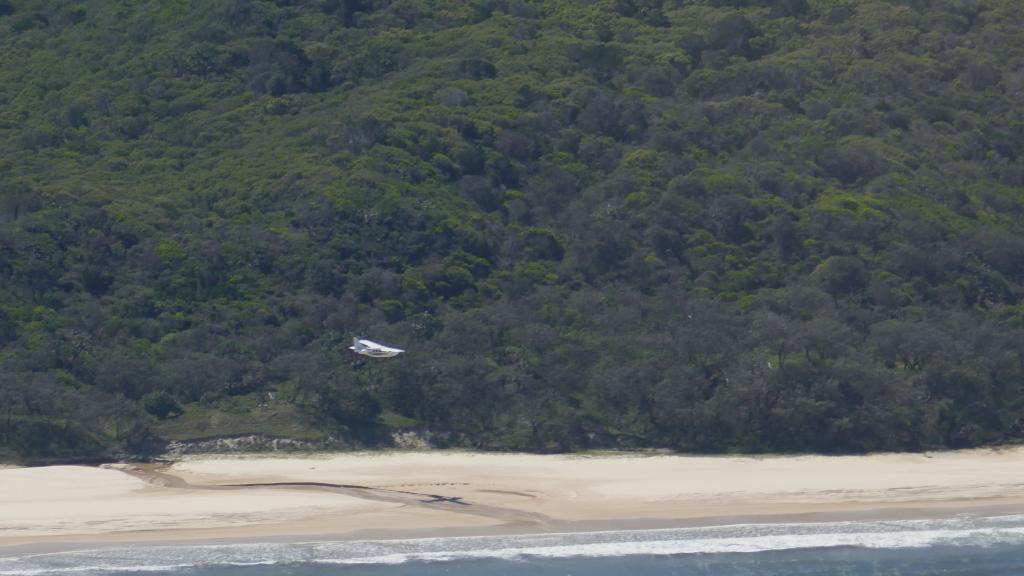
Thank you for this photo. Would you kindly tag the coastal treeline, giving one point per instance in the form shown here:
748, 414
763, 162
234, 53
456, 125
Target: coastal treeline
703, 225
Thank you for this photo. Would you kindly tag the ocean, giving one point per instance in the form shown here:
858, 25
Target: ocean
963, 545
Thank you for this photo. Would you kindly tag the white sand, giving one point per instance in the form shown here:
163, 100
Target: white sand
71, 500
531, 491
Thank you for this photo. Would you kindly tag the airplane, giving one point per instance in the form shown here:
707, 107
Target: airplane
373, 349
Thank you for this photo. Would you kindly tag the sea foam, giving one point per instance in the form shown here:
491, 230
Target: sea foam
740, 538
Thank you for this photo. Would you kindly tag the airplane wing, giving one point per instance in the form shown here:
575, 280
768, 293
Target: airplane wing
382, 347
373, 349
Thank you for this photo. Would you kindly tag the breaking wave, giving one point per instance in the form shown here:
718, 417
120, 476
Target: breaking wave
744, 538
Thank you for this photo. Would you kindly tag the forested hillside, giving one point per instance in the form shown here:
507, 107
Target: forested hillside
704, 225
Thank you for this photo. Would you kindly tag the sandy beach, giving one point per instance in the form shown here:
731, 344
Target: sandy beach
377, 494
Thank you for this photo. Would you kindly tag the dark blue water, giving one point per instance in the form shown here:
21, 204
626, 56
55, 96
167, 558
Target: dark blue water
998, 561
976, 546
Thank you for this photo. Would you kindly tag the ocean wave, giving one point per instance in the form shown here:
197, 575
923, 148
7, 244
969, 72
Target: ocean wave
740, 538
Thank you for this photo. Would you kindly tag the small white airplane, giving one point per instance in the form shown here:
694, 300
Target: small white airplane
373, 349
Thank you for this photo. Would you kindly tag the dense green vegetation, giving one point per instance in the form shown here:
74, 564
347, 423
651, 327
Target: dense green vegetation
707, 225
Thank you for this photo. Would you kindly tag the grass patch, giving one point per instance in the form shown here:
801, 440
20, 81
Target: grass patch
238, 416
395, 420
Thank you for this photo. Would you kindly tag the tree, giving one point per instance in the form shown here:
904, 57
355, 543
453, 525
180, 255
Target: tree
591, 224
348, 405
840, 275
161, 404
8, 328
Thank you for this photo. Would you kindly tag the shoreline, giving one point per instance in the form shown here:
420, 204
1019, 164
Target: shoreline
217, 538
405, 495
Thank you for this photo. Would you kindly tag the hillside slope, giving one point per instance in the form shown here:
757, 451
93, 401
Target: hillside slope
706, 225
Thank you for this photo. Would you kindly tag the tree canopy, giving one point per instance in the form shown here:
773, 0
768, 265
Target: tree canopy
704, 225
